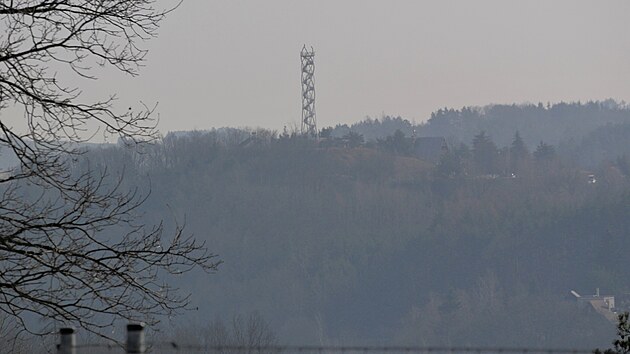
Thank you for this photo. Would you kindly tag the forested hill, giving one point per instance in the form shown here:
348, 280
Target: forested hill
349, 242
551, 123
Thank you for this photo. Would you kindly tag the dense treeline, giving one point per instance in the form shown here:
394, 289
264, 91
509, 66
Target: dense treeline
335, 242
587, 127
354, 239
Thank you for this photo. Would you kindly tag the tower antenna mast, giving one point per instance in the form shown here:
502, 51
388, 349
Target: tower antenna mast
309, 125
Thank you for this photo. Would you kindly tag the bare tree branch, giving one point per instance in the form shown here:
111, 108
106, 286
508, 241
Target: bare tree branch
55, 261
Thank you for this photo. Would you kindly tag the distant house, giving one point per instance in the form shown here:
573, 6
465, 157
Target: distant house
603, 304
430, 148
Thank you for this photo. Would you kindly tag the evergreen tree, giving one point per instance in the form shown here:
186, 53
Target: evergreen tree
518, 152
450, 165
353, 139
544, 152
485, 153
326, 133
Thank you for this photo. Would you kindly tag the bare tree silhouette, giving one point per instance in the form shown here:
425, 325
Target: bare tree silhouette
55, 261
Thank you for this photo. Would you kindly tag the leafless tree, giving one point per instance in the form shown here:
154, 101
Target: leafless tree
55, 260
246, 334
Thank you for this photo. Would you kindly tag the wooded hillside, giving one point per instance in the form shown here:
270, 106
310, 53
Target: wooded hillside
337, 244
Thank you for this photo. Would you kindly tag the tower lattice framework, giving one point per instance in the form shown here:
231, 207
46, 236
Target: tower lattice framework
309, 125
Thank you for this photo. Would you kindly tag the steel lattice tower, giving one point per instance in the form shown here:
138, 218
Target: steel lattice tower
309, 126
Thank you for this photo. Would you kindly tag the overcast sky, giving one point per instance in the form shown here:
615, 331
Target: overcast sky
236, 63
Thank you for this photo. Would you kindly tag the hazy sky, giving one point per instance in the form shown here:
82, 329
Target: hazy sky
236, 63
